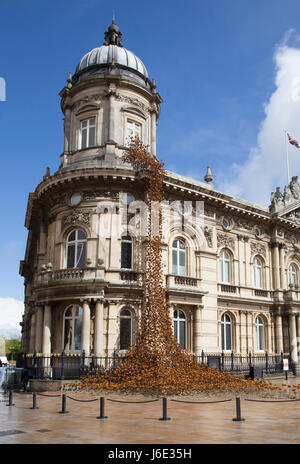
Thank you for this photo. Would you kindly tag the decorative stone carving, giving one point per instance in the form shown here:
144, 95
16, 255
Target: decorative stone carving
294, 216
208, 232
132, 101
76, 217
258, 248
88, 99
51, 218
209, 212
225, 240
242, 224
93, 194
290, 195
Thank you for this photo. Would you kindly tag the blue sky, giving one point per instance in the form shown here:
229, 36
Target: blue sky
216, 65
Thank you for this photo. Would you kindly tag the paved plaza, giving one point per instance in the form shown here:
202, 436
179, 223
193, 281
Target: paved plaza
265, 423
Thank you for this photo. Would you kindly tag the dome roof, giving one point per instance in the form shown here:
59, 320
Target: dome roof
107, 54
112, 57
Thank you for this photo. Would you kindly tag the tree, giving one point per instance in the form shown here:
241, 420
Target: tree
12, 348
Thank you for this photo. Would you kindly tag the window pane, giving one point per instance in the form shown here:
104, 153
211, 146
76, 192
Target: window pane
228, 337
182, 334
77, 311
227, 272
92, 136
68, 313
125, 333
71, 256
81, 235
174, 262
84, 138
68, 335
182, 258
71, 237
223, 336
175, 330
77, 333
81, 249
126, 255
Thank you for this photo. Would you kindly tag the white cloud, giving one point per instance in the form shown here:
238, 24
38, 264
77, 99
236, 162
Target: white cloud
265, 167
11, 312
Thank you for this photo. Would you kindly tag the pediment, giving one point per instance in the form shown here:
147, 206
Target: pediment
292, 214
135, 110
87, 107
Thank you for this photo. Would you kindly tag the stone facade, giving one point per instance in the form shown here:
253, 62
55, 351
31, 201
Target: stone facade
233, 287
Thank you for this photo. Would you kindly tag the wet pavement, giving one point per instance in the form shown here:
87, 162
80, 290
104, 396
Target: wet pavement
265, 423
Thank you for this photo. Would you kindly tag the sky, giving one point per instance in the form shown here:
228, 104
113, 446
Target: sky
227, 70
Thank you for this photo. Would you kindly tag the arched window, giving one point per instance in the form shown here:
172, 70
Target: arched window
72, 329
126, 252
260, 334
257, 273
224, 267
226, 333
125, 329
292, 274
178, 258
179, 322
76, 249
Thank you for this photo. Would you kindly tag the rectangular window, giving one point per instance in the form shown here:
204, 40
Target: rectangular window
133, 129
88, 131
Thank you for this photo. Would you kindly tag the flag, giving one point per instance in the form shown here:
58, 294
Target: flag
293, 142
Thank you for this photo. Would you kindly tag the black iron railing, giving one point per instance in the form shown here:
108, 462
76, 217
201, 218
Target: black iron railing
66, 366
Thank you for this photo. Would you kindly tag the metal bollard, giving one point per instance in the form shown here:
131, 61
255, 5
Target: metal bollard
10, 398
165, 415
63, 405
102, 416
34, 406
238, 417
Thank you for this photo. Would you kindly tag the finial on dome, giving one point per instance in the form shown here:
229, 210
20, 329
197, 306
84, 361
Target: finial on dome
113, 36
208, 177
69, 81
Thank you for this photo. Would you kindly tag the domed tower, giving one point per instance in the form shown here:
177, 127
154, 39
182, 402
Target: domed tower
108, 99
83, 277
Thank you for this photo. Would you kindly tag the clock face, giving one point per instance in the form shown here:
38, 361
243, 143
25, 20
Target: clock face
75, 199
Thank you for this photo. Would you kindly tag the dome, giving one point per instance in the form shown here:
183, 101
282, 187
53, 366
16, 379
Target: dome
112, 57
106, 54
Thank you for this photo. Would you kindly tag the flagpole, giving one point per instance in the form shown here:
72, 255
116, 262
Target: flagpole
287, 158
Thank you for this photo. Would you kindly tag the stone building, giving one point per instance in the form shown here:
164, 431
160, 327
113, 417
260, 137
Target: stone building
231, 275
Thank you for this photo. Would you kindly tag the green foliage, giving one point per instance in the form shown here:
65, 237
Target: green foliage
12, 348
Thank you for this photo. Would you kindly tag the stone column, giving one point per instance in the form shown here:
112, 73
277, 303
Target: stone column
153, 132
86, 327
98, 331
278, 333
243, 332
298, 327
39, 329
282, 268
67, 130
276, 269
32, 333
197, 330
293, 337
111, 116
46, 348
